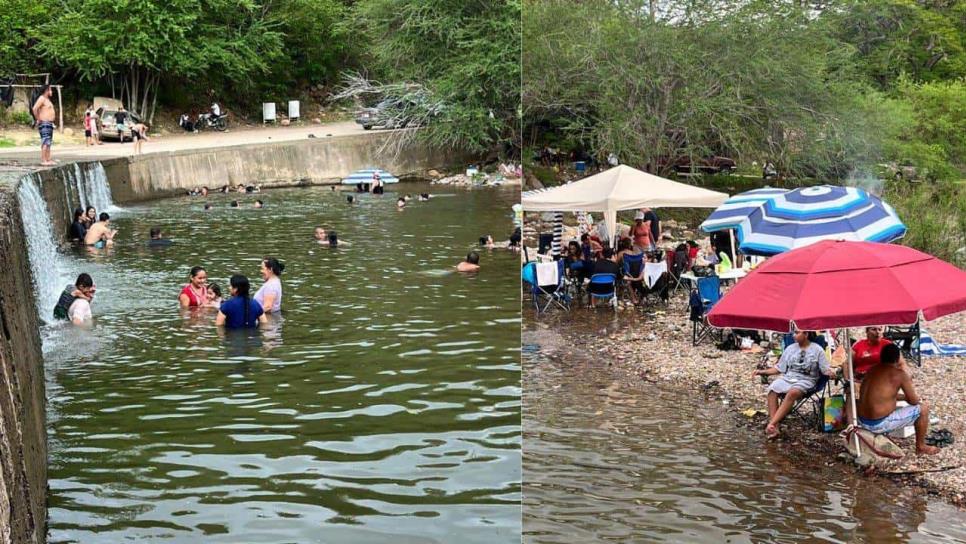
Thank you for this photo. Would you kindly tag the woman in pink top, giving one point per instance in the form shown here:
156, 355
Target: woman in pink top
196, 292
641, 232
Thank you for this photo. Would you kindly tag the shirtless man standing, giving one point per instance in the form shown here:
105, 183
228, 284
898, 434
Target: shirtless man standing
44, 113
100, 235
877, 401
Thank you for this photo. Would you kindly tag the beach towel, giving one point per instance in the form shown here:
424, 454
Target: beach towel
928, 347
547, 274
653, 272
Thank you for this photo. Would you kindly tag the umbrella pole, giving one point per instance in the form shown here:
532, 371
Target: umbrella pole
734, 255
855, 413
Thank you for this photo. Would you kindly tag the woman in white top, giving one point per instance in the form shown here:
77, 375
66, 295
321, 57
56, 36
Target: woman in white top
269, 295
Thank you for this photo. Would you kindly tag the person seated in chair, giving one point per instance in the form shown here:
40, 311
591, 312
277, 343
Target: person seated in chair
880, 392
866, 354
800, 366
636, 278
606, 265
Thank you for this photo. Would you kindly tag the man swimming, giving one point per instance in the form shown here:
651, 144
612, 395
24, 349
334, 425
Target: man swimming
471, 264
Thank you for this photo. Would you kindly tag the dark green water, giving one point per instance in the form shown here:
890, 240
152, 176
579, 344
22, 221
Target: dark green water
382, 406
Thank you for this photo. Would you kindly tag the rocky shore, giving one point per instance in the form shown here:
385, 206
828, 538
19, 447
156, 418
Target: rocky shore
655, 345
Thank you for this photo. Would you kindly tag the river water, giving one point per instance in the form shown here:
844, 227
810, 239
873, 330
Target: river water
612, 460
382, 406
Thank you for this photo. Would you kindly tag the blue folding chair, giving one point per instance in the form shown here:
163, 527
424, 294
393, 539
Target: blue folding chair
546, 296
606, 284
633, 266
703, 298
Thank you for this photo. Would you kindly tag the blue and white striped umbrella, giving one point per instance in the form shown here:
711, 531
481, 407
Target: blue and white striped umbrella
803, 216
365, 176
737, 208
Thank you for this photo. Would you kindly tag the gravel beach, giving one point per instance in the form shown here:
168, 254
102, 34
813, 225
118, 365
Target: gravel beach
655, 345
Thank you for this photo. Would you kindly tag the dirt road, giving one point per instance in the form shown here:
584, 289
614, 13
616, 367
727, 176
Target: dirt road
178, 142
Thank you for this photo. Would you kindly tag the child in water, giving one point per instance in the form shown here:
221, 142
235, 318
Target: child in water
214, 296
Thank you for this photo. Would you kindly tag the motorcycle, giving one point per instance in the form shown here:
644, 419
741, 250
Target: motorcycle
211, 121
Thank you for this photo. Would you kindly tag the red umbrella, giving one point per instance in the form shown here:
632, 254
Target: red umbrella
835, 284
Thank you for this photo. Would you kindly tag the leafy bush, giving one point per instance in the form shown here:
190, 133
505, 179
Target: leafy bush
19, 118
935, 215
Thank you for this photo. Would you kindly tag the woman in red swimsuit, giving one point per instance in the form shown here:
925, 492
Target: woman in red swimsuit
196, 292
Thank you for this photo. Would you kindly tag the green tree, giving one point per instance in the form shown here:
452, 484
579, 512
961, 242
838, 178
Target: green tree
465, 53
137, 43
925, 39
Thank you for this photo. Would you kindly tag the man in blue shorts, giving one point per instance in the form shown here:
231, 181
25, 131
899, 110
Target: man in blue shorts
44, 113
877, 401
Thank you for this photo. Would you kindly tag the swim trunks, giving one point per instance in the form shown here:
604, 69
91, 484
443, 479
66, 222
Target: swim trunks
46, 129
100, 244
903, 416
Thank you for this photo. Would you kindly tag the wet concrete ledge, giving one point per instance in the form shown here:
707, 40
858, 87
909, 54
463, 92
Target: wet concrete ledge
23, 436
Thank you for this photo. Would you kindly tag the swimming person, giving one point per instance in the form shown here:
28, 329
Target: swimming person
90, 217
195, 293
100, 234
350, 199
234, 203
269, 295
78, 229
471, 264
240, 311
74, 304
259, 204
157, 240
329, 238
214, 296
400, 203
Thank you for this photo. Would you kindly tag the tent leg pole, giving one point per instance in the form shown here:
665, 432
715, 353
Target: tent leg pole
855, 413
734, 254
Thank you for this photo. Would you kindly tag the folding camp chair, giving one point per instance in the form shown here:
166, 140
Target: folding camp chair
703, 298
633, 267
550, 295
607, 284
907, 340
675, 267
814, 398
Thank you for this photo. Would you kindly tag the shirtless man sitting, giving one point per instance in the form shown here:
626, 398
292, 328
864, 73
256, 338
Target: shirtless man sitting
878, 396
100, 234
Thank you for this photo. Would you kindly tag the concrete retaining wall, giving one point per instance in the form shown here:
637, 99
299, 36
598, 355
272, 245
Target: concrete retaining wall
23, 437
309, 161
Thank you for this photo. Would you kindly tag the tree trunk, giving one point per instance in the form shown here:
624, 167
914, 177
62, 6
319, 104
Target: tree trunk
154, 102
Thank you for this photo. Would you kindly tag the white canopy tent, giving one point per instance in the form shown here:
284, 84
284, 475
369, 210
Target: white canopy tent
620, 188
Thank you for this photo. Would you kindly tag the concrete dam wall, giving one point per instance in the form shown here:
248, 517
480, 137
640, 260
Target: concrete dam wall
304, 162
23, 444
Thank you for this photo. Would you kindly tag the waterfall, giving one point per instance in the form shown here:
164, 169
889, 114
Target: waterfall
86, 185
96, 189
47, 268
